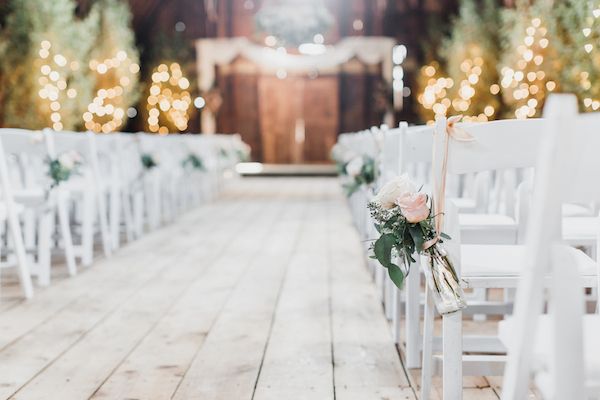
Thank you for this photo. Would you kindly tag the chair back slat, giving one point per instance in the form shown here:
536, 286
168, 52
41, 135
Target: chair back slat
496, 145
581, 160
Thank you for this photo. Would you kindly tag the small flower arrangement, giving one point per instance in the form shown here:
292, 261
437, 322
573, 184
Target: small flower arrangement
193, 161
362, 171
62, 168
243, 152
223, 153
148, 161
341, 156
407, 226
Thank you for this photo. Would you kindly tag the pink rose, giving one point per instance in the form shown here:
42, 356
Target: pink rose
414, 207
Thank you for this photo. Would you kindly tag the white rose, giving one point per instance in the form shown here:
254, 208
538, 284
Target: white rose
393, 190
66, 160
354, 167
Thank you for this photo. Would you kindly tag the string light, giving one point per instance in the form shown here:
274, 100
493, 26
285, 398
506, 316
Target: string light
435, 94
169, 99
106, 113
54, 73
472, 68
589, 102
526, 84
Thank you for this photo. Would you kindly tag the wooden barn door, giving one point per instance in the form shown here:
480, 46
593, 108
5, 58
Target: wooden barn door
321, 117
299, 118
279, 108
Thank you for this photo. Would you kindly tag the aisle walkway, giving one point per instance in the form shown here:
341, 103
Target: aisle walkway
262, 295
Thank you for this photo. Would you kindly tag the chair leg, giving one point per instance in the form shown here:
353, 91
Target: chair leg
480, 294
29, 231
103, 220
452, 355
115, 217
427, 368
396, 314
413, 305
389, 298
127, 215
45, 225
87, 230
19, 246
65, 231
138, 214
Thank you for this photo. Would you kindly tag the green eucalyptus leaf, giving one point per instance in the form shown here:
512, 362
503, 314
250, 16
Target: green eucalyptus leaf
383, 249
396, 275
417, 236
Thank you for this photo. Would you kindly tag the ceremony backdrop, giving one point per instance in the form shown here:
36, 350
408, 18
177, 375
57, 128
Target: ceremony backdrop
110, 65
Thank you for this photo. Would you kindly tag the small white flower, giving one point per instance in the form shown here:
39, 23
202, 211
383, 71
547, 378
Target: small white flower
76, 157
396, 188
66, 160
354, 167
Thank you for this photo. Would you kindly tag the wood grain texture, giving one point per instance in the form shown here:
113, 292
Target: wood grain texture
261, 295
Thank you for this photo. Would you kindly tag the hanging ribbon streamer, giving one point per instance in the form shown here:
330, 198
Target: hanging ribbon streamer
440, 274
460, 135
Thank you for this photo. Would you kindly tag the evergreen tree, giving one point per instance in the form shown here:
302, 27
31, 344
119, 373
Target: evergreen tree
433, 86
530, 65
579, 33
115, 65
471, 55
43, 64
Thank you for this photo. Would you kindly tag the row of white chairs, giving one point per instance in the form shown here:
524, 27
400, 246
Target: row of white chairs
110, 196
521, 211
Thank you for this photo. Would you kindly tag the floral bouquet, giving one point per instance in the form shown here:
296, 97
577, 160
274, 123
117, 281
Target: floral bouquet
341, 156
407, 226
243, 152
61, 168
223, 153
363, 172
193, 161
148, 161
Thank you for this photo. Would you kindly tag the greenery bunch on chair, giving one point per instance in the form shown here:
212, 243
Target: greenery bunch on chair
194, 162
404, 218
62, 168
148, 161
44, 54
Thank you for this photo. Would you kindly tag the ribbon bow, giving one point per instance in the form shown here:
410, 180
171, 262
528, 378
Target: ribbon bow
460, 135
455, 132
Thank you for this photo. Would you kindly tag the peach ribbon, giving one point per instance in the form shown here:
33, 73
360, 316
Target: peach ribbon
460, 135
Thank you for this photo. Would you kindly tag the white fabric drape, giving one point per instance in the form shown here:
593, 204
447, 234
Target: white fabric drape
213, 52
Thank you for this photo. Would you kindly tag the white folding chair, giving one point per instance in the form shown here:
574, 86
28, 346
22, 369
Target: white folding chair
31, 152
89, 190
497, 146
11, 215
561, 348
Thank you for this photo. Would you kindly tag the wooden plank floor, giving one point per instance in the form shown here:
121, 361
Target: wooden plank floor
261, 295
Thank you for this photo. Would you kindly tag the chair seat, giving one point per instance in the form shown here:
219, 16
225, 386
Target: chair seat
507, 261
464, 204
576, 210
487, 229
31, 197
487, 220
78, 184
543, 343
580, 231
